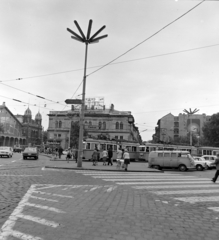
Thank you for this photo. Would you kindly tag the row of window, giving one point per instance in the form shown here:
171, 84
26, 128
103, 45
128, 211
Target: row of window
101, 125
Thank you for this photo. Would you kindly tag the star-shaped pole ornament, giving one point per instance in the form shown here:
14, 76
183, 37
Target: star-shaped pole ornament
190, 112
88, 39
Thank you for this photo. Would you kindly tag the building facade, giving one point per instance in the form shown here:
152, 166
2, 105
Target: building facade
170, 128
99, 123
11, 128
31, 128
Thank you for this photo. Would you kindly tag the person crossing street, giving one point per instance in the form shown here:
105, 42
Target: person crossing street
216, 162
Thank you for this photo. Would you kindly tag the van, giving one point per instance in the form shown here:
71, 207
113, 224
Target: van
181, 160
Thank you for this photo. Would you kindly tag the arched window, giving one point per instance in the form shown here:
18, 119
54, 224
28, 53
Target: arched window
117, 125
60, 124
57, 124
121, 125
90, 123
100, 125
104, 125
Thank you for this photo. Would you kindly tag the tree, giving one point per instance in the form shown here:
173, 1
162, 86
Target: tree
211, 131
74, 136
1, 128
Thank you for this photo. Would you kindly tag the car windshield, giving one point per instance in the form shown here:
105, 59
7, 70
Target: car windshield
4, 148
30, 150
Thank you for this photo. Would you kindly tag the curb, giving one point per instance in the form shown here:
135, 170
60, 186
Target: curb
103, 170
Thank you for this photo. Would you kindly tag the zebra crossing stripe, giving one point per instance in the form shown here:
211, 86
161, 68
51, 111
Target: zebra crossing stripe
153, 179
198, 199
164, 183
158, 177
179, 186
186, 191
216, 209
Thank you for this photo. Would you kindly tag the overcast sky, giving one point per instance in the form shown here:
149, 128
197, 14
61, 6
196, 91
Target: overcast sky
36, 47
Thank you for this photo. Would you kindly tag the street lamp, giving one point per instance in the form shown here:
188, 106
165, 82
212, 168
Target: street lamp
190, 112
87, 40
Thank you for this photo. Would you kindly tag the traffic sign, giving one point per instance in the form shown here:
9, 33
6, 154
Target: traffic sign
73, 101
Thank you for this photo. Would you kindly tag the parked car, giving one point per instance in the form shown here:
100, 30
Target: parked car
210, 158
201, 159
200, 163
6, 151
30, 152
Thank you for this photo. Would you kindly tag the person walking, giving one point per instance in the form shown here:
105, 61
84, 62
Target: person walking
104, 155
68, 156
60, 151
110, 155
95, 156
126, 159
216, 162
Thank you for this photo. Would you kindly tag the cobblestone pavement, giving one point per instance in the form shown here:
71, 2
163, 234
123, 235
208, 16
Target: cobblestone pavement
62, 204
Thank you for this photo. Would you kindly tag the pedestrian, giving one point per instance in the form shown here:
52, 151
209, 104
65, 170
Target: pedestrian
216, 162
60, 151
95, 156
56, 152
126, 159
119, 157
104, 154
76, 155
110, 155
68, 155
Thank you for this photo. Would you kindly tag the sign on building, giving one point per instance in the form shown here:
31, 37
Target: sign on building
94, 102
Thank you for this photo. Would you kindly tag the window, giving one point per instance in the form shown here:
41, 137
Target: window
117, 125
173, 154
60, 124
134, 149
160, 154
121, 137
104, 125
88, 146
121, 125
90, 123
59, 135
116, 137
166, 154
56, 124
100, 125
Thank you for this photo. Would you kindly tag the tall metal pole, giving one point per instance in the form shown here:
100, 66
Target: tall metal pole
81, 123
190, 130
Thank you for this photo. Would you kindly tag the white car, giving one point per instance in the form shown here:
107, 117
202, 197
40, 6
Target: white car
6, 151
210, 158
200, 163
208, 162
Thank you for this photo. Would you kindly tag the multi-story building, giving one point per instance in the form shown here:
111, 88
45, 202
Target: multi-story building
170, 128
11, 129
99, 123
32, 129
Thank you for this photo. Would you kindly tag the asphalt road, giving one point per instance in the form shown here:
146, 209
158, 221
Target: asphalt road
38, 203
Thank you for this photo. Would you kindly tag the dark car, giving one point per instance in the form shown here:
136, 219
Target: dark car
30, 152
17, 149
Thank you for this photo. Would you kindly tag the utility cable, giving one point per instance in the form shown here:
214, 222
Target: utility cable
147, 38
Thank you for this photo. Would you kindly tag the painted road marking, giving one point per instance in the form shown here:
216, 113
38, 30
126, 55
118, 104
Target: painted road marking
58, 195
199, 199
178, 186
140, 176
152, 179
44, 199
10, 175
52, 209
216, 209
186, 192
163, 183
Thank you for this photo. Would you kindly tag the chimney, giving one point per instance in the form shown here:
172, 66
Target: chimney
3, 103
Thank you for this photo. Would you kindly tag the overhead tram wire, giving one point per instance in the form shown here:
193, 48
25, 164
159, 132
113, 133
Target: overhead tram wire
35, 105
33, 94
147, 38
114, 63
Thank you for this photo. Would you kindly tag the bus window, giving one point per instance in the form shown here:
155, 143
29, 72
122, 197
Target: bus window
173, 155
160, 154
129, 148
103, 146
205, 152
109, 146
142, 149
134, 149
115, 147
88, 146
166, 154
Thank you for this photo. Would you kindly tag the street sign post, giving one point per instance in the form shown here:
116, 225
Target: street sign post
73, 101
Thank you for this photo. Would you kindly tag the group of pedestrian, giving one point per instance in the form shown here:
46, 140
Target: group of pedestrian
107, 156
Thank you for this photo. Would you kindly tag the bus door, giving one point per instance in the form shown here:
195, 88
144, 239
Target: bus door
166, 159
174, 160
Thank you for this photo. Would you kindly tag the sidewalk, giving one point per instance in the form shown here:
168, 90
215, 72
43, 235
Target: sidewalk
88, 165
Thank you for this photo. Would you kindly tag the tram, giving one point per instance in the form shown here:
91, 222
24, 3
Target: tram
90, 144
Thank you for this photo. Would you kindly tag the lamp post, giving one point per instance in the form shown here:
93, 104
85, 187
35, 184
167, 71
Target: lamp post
87, 40
190, 112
